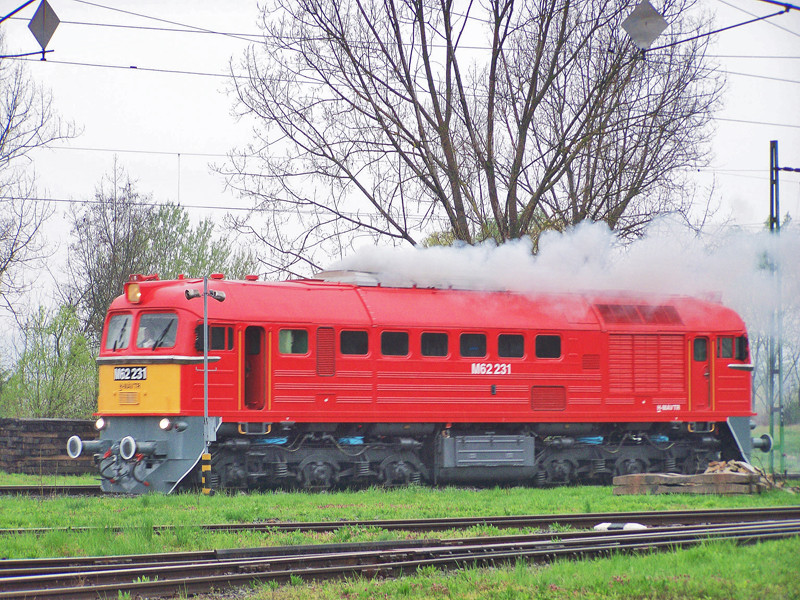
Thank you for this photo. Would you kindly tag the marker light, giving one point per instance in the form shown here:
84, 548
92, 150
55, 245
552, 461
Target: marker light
166, 424
100, 424
133, 293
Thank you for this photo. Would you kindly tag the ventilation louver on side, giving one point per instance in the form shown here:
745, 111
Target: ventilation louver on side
591, 362
326, 352
552, 397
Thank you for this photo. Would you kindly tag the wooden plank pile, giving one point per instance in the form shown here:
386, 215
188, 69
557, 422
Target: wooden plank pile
39, 446
731, 477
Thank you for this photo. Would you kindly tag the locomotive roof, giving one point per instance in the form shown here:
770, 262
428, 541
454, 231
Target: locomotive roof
318, 302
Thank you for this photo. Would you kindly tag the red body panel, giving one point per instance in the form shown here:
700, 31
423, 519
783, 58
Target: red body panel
623, 358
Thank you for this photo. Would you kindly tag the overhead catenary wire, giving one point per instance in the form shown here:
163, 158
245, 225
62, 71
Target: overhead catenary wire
304, 209
184, 28
280, 80
746, 173
747, 12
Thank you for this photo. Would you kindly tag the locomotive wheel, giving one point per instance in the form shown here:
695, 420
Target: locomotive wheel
317, 473
561, 470
396, 471
696, 463
630, 466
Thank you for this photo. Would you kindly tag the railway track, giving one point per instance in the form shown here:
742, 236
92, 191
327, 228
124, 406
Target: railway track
50, 490
200, 572
96, 490
575, 521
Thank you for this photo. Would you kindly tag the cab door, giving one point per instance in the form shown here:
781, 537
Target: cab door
255, 371
700, 377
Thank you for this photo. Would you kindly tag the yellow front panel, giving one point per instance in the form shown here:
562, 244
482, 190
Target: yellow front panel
130, 390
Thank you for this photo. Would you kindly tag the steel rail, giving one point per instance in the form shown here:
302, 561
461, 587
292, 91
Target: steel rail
96, 490
43, 566
50, 490
236, 567
583, 520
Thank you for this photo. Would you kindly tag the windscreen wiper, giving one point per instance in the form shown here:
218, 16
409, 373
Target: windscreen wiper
162, 335
121, 335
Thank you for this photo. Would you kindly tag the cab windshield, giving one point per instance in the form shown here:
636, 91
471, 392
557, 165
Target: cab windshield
157, 330
119, 332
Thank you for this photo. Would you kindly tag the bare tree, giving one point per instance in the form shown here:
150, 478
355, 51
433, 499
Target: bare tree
27, 122
398, 118
124, 232
109, 240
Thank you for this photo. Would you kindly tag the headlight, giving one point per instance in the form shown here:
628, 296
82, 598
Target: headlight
133, 293
166, 424
100, 424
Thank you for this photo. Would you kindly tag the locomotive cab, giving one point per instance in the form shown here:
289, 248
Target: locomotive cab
147, 440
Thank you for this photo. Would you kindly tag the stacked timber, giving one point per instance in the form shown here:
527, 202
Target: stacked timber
39, 446
732, 477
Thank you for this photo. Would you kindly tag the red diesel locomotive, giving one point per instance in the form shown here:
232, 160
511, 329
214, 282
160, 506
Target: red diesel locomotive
320, 382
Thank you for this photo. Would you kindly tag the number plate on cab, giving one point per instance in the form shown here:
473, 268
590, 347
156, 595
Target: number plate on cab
130, 373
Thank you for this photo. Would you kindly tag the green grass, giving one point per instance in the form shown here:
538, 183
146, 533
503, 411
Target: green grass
713, 571
137, 515
720, 571
791, 449
21, 479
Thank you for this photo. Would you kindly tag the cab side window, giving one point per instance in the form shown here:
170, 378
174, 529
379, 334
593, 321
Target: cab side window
220, 337
293, 341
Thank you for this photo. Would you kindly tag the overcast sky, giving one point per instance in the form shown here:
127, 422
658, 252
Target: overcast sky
152, 92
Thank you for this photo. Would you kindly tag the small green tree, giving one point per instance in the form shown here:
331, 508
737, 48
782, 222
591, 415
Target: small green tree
55, 376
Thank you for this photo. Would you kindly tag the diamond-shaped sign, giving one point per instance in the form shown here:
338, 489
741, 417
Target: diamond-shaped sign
644, 25
44, 23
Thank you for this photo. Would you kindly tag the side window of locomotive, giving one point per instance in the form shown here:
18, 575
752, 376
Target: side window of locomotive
219, 338
119, 332
354, 342
473, 345
434, 344
510, 345
725, 347
700, 349
394, 343
548, 346
293, 341
742, 349
157, 330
